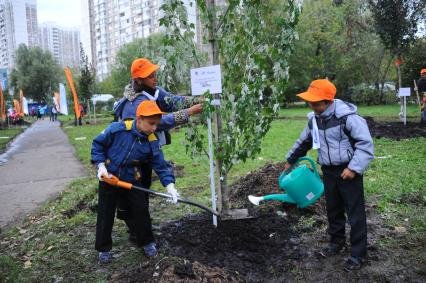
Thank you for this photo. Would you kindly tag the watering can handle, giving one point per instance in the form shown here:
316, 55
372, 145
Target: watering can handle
305, 158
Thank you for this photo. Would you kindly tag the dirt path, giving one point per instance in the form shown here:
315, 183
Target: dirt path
37, 165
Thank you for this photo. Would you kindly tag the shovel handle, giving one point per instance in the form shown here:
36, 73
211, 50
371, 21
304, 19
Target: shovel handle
182, 200
114, 181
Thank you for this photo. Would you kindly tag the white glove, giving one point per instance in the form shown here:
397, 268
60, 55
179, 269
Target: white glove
102, 171
172, 191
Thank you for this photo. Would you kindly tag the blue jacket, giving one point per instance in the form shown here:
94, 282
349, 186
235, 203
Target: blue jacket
344, 138
126, 109
122, 150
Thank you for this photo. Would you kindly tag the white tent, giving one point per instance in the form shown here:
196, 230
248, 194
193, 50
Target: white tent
101, 98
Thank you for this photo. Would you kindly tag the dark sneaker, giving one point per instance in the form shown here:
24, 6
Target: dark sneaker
353, 263
150, 250
331, 250
105, 257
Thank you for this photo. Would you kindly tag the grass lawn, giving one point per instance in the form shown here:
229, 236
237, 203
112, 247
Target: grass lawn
56, 243
380, 112
7, 135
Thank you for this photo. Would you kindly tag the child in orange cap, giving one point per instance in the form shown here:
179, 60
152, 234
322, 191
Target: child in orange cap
345, 149
120, 150
421, 83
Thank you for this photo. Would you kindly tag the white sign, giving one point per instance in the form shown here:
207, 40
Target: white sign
404, 91
206, 79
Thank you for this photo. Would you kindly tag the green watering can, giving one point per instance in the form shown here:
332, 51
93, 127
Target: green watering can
302, 186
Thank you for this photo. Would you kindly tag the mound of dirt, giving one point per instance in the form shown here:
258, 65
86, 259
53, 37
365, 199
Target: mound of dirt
395, 130
280, 244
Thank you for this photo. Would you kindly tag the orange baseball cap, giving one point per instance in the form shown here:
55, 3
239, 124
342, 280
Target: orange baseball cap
142, 68
423, 71
319, 90
148, 108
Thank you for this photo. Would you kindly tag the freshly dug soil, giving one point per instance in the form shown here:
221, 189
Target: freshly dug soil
280, 244
396, 130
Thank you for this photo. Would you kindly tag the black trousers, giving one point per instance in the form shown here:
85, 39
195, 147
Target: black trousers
124, 210
345, 196
109, 197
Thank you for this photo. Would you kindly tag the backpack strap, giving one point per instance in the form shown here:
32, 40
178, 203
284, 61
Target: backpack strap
346, 131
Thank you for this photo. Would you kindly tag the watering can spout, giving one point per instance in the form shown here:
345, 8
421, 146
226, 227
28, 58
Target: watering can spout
255, 200
302, 185
280, 197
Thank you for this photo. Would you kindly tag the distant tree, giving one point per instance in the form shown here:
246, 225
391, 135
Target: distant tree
36, 72
414, 61
396, 22
337, 41
87, 78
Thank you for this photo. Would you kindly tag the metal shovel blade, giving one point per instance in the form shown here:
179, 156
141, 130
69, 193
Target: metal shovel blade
235, 214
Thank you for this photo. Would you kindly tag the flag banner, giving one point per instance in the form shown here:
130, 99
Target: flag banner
21, 103
63, 106
68, 74
25, 106
2, 106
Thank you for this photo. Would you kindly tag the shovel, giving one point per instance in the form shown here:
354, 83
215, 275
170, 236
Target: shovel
114, 181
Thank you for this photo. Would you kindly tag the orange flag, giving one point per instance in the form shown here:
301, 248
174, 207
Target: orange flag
58, 105
21, 99
68, 74
16, 106
2, 105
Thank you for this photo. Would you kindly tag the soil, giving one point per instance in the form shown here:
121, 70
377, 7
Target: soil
396, 130
279, 244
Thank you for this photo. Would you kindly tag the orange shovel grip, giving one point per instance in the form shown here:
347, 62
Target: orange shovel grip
114, 181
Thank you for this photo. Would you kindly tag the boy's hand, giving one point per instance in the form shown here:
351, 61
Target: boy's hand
286, 166
173, 192
102, 171
348, 174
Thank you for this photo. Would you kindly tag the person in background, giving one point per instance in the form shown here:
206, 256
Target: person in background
41, 112
423, 108
81, 110
421, 83
421, 87
54, 113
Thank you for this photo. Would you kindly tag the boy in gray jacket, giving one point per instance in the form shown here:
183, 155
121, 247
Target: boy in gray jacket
345, 149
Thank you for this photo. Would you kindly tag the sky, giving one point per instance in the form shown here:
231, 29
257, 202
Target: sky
66, 13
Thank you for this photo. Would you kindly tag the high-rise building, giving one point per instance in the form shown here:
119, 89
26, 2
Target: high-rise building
114, 23
87, 30
63, 43
18, 25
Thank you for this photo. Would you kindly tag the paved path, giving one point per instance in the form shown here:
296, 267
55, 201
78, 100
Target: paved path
38, 165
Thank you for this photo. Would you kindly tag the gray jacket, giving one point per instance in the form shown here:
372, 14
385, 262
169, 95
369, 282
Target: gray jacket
344, 138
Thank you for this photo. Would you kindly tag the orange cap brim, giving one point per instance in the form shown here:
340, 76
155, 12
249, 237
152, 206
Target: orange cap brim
309, 97
148, 71
152, 69
152, 113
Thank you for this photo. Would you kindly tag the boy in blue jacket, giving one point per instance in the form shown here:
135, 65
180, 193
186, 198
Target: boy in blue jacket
120, 150
345, 149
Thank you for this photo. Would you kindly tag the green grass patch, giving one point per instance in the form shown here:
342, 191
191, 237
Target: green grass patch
7, 135
379, 112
